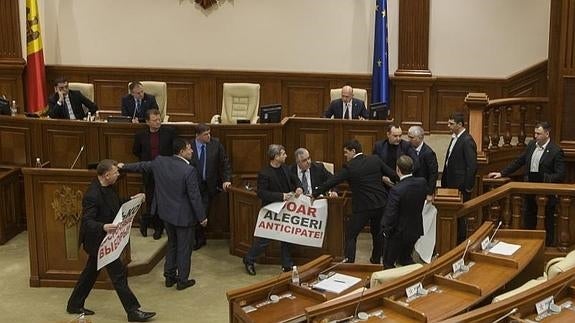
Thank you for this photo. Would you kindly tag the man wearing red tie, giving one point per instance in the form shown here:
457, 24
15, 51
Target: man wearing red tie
347, 107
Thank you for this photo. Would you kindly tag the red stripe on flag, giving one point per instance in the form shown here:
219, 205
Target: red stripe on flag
35, 82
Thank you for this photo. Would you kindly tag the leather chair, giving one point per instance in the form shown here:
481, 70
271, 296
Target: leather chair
240, 101
328, 166
160, 91
361, 94
380, 277
87, 89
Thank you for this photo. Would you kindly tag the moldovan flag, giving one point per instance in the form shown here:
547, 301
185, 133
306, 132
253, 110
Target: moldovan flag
35, 75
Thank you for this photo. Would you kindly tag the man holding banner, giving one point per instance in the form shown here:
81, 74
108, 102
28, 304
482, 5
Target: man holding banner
100, 205
275, 184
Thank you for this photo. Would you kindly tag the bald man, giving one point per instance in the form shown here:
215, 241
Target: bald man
347, 107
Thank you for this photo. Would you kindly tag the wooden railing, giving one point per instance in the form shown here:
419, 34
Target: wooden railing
504, 204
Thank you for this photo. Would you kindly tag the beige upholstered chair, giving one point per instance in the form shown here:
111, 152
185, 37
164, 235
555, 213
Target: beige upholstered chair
357, 93
380, 277
160, 91
328, 166
87, 89
240, 101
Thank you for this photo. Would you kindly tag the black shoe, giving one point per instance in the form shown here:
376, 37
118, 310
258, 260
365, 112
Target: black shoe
250, 268
140, 316
286, 269
157, 234
186, 284
171, 282
79, 310
143, 230
199, 244
375, 262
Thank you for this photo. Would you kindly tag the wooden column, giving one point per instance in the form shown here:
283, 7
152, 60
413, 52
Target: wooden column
413, 38
448, 201
11, 62
476, 103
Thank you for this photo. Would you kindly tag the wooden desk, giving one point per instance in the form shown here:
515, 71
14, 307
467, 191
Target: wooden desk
452, 295
11, 212
244, 206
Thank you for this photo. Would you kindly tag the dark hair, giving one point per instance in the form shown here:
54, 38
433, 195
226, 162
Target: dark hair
405, 164
201, 128
543, 124
133, 84
392, 125
59, 80
274, 150
105, 165
458, 117
151, 112
179, 144
352, 144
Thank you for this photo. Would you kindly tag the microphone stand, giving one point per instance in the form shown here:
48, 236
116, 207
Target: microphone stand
321, 276
506, 315
77, 156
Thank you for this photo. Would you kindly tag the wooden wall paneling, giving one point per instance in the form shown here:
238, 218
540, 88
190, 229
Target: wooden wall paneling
61, 142
411, 102
117, 141
11, 83
530, 82
10, 203
413, 40
317, 138
567, 129
305, 98
245, 206
183, 101
17, 146
10, 45
108, 93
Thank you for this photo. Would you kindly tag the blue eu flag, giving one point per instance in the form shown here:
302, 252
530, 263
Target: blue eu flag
380, 76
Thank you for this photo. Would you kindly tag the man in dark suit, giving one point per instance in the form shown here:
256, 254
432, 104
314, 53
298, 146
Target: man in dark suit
544, 163
310, 174
460, 165
347, 107
275, 184
364, 175
137, 102
99, 208
428, 167
67, 104
214, 171
402, 219
148, 144
390, 149
177, 198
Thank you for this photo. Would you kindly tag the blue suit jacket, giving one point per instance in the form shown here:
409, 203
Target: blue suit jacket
358, 109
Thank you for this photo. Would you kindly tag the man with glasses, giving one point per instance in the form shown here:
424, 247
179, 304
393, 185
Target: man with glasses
311, 174
68, 104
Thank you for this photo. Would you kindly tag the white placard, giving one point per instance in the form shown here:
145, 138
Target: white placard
458, 265
485, 243
412, 290
543, 306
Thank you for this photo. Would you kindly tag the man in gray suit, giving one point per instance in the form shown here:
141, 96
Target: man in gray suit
177, 198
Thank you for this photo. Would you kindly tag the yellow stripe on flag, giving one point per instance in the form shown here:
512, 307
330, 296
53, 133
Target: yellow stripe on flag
33, 36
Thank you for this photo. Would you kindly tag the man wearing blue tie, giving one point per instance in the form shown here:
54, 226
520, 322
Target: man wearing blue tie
137, 102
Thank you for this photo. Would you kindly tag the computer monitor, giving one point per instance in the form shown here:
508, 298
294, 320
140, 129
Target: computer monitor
271, 113
119, 119
378, 111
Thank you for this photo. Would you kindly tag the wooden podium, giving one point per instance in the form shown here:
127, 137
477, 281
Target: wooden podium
10, 203
54, 211
244, 206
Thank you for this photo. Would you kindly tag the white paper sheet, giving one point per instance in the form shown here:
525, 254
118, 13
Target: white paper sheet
337, 283
504, 248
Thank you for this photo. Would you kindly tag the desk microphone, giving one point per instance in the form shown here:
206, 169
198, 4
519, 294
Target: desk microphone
513, 311
494, 232
273, 297
362, 316
77, 156
322, 275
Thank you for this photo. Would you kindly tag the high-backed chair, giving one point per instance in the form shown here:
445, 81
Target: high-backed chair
380, 277
240, 101
328, 166
87, 89
160, 91
361, 94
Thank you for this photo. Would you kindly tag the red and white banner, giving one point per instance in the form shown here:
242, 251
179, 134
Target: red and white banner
294, 221
114, 243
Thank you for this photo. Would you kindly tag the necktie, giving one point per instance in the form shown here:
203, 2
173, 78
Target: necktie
304, 182
203, 161
344, 115
138, 105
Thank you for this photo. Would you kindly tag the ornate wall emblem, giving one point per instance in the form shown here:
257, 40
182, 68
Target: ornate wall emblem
67, 205
206, 3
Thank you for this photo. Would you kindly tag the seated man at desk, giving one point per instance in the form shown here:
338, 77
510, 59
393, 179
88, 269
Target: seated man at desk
137, 102
68, 104
347, 107
310, 173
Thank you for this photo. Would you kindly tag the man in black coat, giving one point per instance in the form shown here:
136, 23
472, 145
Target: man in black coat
428, 168
99, 208
137, 102
364, 175
148, 144
214, 171
390, 149
68, 104
275, 184
402, 219
310, 174
347, 107
460, 165
544, 163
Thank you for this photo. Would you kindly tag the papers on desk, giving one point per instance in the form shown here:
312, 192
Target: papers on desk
337, 283
503, 248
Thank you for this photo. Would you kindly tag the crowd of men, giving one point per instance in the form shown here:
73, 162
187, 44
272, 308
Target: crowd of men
389, 187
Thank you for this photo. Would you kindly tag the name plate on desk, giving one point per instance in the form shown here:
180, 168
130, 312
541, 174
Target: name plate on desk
543, 306
485, 243
413, 290
458, 265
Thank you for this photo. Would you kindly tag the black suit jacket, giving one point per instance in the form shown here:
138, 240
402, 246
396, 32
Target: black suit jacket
218, 168
77, 99
460, 171
428, 168
358, 109
551, 164
363, 173
317, 173
402, 217
142, 148
381, 149
270, 187
129, 104
99, 206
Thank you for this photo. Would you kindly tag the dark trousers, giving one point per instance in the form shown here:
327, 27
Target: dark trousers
179, 252
200, 237
462, 222
354, 227
260, 244
398, 250
117, 273
150, 218
530, 216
